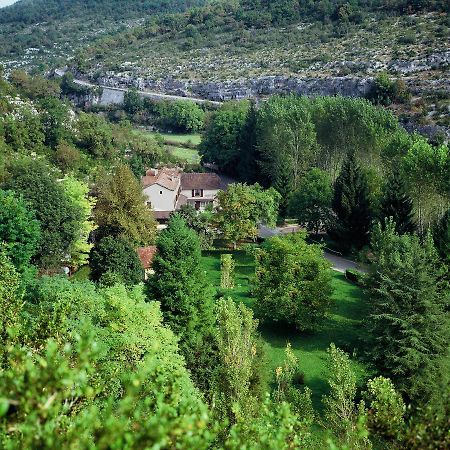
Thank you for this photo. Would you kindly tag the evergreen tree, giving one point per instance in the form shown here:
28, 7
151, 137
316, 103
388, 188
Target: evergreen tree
186, 299
351, 206
248, 168
441, 236
284, 185
397, 204
407, 322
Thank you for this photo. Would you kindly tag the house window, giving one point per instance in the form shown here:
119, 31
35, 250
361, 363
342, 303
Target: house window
197, 192
160, 192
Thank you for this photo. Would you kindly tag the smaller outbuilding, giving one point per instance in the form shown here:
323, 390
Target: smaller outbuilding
146, 255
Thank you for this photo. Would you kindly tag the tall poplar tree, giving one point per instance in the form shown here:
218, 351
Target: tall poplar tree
397, 204
353, 215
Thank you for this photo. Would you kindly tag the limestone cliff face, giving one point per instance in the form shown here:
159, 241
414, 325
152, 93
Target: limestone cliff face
241, 89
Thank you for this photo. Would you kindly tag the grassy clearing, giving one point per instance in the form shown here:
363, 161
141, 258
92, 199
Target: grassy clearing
187, 154
182, 146
342, 326
192, 139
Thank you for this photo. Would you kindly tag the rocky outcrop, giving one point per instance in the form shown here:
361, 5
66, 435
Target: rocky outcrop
241, 89
435, 61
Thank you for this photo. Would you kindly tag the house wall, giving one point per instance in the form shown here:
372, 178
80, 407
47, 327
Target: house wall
208, 197
207, 194
161, 198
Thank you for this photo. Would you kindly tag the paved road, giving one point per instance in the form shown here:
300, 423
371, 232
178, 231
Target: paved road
150, 94
339, 263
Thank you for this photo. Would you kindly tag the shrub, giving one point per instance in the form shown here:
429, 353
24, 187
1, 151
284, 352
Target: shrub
354, 276
115, 255
293, 282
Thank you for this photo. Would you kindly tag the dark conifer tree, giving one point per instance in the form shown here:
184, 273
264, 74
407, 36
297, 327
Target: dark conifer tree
397, 204
351, 205
186, 298
283, 183
249, 169
407, 322
441, 236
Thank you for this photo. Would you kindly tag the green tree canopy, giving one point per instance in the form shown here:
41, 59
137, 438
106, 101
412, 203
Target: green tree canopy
311, 203
121, 208
239, 384
293, 282
56, 121
397, 204
441, 236
95, 136
178, 283
59, 217
241, 208
114, 255
287, 143
19, 229
220, 139
185, 116
10, 304
351, 206
340, 413
132, 102
78, 192
407, 323
96, 363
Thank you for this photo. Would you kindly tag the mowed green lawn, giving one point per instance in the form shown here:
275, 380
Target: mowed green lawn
193, 139
186, 154
171, 140
342, 326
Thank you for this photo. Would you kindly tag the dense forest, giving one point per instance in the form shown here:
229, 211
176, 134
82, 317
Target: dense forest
254, 12
34, 11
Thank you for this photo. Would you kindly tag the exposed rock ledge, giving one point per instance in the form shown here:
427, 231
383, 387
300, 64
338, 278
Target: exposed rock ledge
241, 89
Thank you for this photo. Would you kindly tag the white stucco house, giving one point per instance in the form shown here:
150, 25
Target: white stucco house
200, 189
168, 189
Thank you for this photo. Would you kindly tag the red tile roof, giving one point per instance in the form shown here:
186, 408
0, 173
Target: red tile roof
168, 178
146, 255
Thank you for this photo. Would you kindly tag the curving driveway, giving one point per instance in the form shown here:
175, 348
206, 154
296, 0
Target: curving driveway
338, 263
